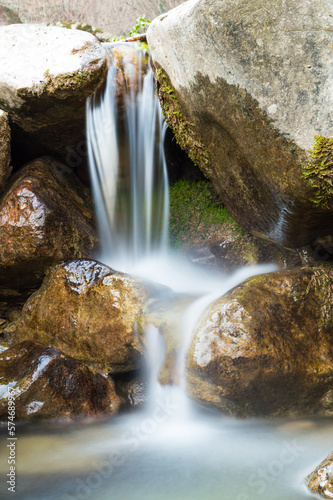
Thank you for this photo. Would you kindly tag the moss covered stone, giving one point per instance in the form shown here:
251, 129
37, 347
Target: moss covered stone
319, 171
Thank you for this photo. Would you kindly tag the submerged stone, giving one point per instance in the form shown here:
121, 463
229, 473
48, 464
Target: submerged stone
44, 219
46, 383
265, 348
247, 88
89, 311
321, 479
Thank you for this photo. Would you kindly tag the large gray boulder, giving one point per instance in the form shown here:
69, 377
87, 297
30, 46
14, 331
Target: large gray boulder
47, 75
247, 86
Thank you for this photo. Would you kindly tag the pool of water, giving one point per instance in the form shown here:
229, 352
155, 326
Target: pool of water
157, 455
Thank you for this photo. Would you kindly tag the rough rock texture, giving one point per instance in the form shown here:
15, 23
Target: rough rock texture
204, 231
321, 479
5, 168
48, 74
88, 311
8, 16
247, 87
49, 384
265, 348
44, 220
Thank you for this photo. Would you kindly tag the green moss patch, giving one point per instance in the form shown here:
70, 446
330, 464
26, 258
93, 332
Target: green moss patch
195, 214
319, 172
177, 122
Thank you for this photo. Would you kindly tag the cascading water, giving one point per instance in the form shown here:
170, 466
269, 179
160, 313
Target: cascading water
156, 454
125, 133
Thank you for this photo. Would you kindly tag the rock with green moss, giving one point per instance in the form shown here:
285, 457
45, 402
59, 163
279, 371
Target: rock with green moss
45, 383
202, 228
320, 481
5, 158
45, 218
90, 312
222, 70
265, 348
49, 74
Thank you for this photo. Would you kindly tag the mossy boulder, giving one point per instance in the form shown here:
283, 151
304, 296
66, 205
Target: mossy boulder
5, 157
45, 219
49, 74
90, 312
45, 383
265, 348
320, 481
101, 35
222, 71
202, 228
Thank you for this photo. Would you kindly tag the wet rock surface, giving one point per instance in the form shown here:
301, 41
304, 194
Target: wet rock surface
90, 312
48, 384
222, 73
265, 348
45, 94
321, 479
44, 219
5, 157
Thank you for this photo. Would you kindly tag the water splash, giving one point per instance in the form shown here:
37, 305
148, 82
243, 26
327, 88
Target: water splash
125, 131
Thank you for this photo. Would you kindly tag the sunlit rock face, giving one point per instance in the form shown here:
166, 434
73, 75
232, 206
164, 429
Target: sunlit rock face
247, 85
49, 73
88, 311
321, 479
265, 348
46, 383
44, 219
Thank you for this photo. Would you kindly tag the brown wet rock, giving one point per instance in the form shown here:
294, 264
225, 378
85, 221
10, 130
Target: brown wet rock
44, 219
321, 479
8, 16
265, 348
49, 384
88, 311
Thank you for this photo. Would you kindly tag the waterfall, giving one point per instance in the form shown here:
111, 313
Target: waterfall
125, 132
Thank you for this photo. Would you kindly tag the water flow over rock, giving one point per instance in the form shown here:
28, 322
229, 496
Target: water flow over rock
125, 130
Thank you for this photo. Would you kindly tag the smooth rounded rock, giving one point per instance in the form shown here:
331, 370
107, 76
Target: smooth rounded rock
265, 348
247, 87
